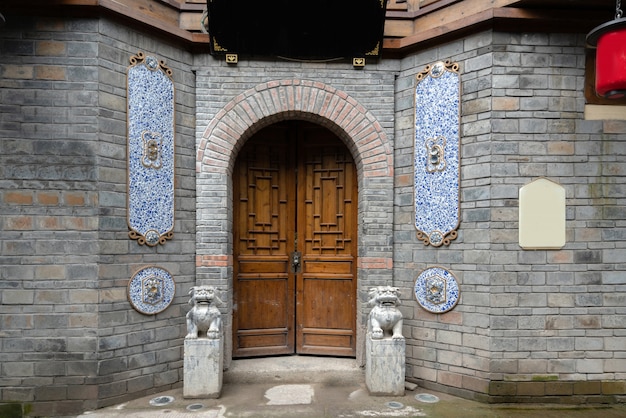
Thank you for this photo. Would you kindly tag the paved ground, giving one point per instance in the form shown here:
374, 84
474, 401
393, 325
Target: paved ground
307, 388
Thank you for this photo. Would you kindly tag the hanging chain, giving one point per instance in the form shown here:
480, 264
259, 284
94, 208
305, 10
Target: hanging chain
618, 9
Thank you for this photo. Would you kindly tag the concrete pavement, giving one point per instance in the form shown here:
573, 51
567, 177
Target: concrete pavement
313, 387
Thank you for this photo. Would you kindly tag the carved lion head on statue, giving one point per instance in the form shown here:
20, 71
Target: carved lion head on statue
203, 295
384, 296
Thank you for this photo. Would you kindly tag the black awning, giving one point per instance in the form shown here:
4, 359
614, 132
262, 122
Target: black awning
299, 29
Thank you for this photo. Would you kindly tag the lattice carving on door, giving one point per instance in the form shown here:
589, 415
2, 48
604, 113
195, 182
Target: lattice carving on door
263, 198
328, 203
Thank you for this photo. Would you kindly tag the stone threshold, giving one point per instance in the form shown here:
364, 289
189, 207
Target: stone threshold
295, 369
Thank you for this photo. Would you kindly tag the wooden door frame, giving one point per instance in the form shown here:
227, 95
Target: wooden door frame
266, 205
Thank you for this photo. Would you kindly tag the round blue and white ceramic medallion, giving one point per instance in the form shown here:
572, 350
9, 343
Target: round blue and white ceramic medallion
151, 290
436, 290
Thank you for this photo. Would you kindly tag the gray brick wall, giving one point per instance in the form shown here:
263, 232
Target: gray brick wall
138, 353
523, 315
66, 257
49, 213
528, 322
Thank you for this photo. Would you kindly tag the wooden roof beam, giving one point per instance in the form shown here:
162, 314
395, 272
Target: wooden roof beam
160, 16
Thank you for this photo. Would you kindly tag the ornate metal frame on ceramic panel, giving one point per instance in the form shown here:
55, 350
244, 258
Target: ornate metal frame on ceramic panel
151, 290
436, 290
150, 156
437, 153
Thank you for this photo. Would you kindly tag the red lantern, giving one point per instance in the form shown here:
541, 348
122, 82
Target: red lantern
610, 40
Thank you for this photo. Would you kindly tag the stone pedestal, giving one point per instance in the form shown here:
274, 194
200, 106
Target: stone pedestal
203, 368
385, 367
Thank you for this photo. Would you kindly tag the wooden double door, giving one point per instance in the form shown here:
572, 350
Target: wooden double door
295, 242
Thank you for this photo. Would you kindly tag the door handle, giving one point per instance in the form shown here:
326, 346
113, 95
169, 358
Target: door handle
296, 265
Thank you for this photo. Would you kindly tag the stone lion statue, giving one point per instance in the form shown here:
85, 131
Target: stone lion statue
204, 320
385, 319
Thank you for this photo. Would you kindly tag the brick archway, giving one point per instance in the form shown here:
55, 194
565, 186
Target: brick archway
264, 105
295, 99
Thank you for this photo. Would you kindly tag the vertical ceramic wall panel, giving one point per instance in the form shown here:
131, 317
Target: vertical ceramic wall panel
150, 211
437, 153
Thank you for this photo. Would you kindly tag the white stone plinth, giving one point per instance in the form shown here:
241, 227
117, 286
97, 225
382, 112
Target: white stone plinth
203, 368
385, 367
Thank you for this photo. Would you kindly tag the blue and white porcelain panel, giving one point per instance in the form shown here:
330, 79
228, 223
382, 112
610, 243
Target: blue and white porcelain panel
437, 153
150, 151
151, 290
436, 290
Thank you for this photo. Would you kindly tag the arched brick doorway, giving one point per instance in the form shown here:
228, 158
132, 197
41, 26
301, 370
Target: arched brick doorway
264, 105
295, 243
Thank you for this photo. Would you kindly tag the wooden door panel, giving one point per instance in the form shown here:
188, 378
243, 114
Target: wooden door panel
326, 289
266, 295
269, 332
326, 309
264, 342
327, 302
251, 265
327, 342
264, 213
338, 265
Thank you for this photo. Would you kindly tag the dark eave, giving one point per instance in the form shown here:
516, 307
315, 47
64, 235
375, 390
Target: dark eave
405, 30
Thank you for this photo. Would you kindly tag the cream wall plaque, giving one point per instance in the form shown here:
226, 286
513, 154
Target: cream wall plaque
542, 215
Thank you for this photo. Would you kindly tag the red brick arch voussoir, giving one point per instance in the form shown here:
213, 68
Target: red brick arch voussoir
278, 100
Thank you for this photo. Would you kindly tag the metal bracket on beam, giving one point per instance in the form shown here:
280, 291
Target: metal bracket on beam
232, 58
358, 62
